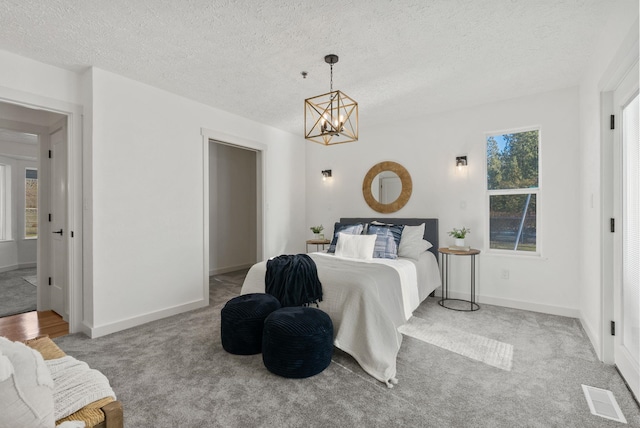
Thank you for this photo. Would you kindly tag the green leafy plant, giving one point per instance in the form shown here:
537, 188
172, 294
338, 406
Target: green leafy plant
317, 229
459, 233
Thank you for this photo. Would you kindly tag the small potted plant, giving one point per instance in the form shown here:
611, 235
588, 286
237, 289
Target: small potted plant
316, 230
459, 234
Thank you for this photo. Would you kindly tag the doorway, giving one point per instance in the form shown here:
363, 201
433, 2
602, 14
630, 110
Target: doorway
233, 208
18, 221
209, 139
26, 254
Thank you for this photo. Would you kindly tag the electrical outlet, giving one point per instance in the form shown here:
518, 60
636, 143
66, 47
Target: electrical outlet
505, 274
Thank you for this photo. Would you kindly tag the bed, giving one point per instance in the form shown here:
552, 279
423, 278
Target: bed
368, 300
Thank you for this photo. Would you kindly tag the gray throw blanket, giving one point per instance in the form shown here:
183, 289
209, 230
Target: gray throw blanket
293, 280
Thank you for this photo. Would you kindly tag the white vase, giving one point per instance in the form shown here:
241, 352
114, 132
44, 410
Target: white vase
459, 242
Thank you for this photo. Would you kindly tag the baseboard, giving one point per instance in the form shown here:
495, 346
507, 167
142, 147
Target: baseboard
517, 304
18, 266
27, 265
592, 334
84, 329
146, 318
228, 269
8, 268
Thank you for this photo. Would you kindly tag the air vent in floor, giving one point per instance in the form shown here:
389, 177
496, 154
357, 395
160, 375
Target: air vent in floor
602, 403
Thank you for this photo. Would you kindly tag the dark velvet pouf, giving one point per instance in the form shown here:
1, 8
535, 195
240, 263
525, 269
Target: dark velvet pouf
243, 320
297, 342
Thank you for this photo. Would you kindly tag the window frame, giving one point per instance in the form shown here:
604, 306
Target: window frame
24, 225
520, 191
3, 200
6, 199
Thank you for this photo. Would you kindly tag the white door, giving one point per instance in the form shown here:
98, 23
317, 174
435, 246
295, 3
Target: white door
58, 224
627, 241
390, 189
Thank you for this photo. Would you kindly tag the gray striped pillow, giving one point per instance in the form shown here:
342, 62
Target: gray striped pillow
386, 246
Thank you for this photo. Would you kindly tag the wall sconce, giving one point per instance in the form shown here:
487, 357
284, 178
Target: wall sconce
326, 174
461, 162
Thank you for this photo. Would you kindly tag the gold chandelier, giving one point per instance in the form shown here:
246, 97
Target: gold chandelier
331, 118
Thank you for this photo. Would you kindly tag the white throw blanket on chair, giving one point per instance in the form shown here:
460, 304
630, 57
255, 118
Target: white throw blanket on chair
76, 385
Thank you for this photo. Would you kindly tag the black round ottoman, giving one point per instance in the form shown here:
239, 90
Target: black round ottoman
243, 320
297, 341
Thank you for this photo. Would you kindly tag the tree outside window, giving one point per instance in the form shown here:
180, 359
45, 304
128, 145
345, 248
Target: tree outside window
513, 188
31, 203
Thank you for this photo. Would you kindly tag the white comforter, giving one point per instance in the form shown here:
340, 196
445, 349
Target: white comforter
367, 302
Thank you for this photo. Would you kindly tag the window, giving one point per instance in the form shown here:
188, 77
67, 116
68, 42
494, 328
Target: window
513, 190
31, 203
5, 201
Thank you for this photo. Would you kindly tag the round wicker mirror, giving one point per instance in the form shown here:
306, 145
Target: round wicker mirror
377, 172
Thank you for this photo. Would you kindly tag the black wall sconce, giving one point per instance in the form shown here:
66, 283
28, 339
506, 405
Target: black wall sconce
326, 174
461, 161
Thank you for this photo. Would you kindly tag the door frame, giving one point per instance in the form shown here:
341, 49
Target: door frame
627, 90
622, 64
73, 112
261, 155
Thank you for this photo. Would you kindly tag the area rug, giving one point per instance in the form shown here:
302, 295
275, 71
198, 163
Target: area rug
17, 295
32, 279
480, 348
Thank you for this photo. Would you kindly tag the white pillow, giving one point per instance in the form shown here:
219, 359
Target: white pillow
411, 242
26, 395
355, 246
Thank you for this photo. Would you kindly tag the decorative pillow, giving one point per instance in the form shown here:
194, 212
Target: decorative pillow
416, 250
26, 387
396, 230
351, 229
386, 247
355, 246
411, 243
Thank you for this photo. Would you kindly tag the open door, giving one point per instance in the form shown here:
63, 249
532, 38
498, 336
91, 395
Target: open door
58, 222
626, 297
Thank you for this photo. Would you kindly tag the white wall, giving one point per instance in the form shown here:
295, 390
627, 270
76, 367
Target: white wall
232, 208
137, 198
147, 211
427, 148
615, 47
23, 75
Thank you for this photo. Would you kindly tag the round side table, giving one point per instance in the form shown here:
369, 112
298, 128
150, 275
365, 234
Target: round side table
317, 243
445, 269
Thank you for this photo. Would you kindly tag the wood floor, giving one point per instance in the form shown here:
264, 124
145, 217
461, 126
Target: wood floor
32, 324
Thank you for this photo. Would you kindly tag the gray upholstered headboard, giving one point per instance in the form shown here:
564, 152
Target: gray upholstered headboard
430, 227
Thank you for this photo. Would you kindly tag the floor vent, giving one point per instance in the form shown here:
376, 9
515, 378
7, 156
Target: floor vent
602, 403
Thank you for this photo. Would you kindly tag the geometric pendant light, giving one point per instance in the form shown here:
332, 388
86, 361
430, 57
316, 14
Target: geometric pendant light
331, 118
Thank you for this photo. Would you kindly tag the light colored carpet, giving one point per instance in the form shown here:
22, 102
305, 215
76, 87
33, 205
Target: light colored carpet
174, 373
480, 348
16, 294
31, 279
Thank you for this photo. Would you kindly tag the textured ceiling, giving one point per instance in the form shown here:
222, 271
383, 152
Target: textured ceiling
398, 59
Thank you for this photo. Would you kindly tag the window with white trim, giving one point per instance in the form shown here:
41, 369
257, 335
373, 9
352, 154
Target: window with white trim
513, 191
5, 202
31, 203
